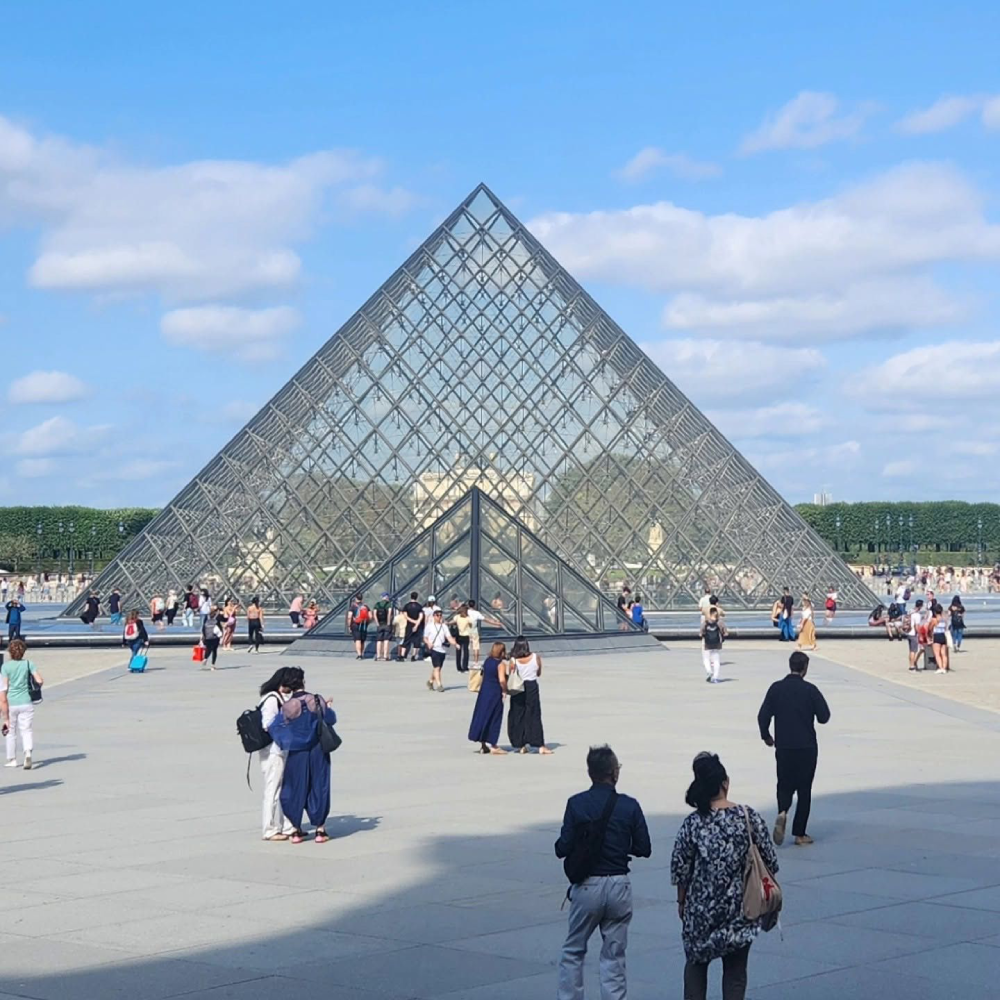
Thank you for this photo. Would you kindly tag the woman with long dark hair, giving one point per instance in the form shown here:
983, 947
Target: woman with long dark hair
306, 781
524, 717
487, 716
273, 693
707, 867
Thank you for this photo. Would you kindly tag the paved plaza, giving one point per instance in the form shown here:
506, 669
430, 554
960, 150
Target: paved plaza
133, 865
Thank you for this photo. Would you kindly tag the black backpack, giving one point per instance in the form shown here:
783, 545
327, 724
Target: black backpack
382, 612
713, 635
250, 727
588, 842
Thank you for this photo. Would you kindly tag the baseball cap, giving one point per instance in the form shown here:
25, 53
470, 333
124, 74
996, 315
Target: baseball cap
438, 611
431, 597
385, 593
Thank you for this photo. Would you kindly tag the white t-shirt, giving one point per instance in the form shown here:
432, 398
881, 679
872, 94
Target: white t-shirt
807, 613
205, 606
915, 617
901, 594
704, 604
475, 616
436, 634
270, 706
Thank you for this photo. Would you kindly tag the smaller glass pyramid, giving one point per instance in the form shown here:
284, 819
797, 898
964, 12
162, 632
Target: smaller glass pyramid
477, 550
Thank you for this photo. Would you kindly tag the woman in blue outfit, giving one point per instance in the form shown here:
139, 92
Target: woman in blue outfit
306, 782
487, 716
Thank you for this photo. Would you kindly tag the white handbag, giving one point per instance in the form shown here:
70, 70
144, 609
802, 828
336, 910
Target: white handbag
515, 682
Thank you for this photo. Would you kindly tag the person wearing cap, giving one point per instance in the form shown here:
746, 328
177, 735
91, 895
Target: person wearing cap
428, 611
383, 626
437, 637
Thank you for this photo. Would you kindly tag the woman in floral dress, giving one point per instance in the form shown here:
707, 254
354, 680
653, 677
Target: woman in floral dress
707, 867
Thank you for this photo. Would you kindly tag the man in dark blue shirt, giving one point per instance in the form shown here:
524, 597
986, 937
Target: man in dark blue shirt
14, 610
605, 898
795, 705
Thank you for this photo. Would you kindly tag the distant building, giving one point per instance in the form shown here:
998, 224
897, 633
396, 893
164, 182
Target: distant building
822, 499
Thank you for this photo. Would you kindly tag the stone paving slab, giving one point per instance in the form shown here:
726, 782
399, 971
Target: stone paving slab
144, 873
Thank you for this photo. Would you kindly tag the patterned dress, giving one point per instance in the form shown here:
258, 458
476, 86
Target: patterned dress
708, 860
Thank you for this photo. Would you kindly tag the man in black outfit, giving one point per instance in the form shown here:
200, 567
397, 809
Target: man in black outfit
795, 705
413, 638
605, 898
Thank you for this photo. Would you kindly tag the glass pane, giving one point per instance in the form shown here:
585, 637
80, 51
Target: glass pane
540, 602
497, 601
498, 563
500, 528
411, 562
455, 561
450, 585
582, 599
539, 562
572, 623
446, 532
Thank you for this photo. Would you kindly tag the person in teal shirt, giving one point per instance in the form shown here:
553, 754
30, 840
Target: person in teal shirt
16, 706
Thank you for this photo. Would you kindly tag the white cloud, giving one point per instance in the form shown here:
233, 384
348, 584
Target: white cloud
807, 121
886, 304
34, 468
651, 159
47, 387
248, 334
818, 266
137, 469
777, 420
727, 374
192, 231
944, 113
955, 370
372, 198
947, 112
900, 468
838, 456
991, 113
57, 436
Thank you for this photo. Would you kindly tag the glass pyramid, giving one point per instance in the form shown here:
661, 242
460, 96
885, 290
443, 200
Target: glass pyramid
480, 362
476, 549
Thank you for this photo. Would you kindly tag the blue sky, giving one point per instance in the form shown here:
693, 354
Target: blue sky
794, 211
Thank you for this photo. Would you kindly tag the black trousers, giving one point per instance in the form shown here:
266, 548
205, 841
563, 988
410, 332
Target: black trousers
211, 649
254, 632
462, 654
734, 977
796, 770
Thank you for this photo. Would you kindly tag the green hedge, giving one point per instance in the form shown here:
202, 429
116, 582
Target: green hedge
939, 528
104, 541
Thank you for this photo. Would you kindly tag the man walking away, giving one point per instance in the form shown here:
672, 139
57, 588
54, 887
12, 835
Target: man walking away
383, 627
604, 898
795, 705
359, 625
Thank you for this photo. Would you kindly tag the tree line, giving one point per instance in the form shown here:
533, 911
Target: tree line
932, 527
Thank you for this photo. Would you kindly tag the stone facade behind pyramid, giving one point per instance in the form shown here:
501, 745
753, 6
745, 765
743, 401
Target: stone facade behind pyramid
480, 362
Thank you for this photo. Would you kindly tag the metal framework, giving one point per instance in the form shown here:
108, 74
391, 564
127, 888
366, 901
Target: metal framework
481, 363
477, 550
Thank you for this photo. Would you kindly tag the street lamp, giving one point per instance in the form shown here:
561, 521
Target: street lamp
38, 531
901, 539
876, 539
60, 547
93, 535
979, 525
72, 531
838, 533
912, 549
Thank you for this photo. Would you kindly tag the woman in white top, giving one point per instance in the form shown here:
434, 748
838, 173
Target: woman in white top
273, 693
436, 638
524, 717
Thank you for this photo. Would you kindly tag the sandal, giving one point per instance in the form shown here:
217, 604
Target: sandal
298, 837
321, 837
277, 836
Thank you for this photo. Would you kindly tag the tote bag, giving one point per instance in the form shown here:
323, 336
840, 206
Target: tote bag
515, 682
761, 892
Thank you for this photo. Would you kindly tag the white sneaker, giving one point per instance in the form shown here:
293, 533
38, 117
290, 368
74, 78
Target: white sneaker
11, 763
27, 762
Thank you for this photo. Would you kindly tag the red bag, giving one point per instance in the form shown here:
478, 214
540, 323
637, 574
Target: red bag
198, 654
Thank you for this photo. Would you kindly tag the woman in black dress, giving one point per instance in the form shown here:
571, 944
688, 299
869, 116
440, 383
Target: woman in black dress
487, 716
524, 718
